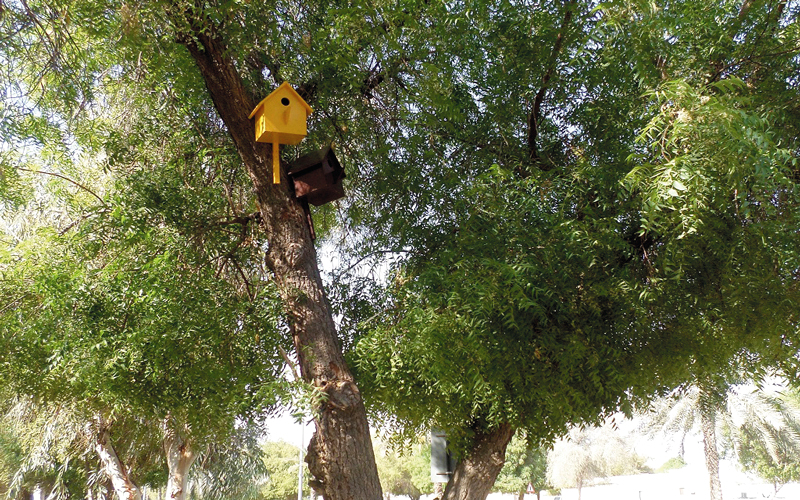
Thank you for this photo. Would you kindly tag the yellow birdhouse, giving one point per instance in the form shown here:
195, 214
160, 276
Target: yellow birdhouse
281, 119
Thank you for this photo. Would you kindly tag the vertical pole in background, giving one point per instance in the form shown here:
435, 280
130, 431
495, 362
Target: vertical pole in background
300, 464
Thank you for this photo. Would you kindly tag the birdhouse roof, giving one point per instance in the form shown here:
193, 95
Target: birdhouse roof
310, 160
274, 95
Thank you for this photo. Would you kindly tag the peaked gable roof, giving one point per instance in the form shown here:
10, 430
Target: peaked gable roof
273, 94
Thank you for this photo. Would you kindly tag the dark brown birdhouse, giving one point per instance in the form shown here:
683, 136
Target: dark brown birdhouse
318, 177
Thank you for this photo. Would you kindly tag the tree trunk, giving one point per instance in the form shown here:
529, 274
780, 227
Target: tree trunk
180, 457
340, 455
125, 488
708, 423
475, 475
110, 490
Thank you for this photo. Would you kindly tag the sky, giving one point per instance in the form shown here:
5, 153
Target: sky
284, 428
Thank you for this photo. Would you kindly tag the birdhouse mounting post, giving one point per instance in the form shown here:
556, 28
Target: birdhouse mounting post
276, 163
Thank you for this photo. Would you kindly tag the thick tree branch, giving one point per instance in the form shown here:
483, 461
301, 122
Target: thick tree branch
476, 473
113, 467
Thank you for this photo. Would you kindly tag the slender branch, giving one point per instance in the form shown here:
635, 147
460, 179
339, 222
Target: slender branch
535, 114
250, 294
32, 16
718, 66
73, 224
229, 256
292, 364
754, 60
365, 257
14, 302
240, 219
76, 183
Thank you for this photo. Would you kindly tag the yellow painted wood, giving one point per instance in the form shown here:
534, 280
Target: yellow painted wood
281, 116
276, 163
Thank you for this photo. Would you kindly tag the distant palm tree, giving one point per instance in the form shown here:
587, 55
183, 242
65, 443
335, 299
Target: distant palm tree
590, 453
741, 413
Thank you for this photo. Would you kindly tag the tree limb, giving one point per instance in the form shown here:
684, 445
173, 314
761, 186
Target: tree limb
535, 114
76, 183
240, 219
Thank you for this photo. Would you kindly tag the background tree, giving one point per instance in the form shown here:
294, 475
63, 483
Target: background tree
756, 426
533, 243
52, 452
588, 454
771, 449
405, 471
281, 461
232, 469
524, 466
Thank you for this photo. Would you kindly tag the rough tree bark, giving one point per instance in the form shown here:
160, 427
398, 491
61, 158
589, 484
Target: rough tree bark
476, 473
124, 486
180, 457
340, 455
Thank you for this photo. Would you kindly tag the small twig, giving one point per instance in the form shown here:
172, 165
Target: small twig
362, 259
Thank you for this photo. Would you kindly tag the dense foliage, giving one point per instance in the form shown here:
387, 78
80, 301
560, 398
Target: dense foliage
578, 204
551, 282
131, 276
